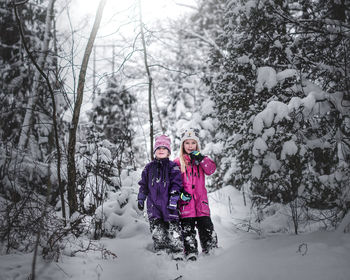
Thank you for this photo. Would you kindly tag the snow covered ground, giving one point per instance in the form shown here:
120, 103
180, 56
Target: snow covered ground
241, 256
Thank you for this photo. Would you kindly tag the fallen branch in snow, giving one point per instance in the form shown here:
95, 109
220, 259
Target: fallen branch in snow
92, 246
60, 268
302, 249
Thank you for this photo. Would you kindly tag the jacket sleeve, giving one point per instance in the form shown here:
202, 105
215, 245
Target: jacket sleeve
143, 190
175, 179
208, 165
177, 161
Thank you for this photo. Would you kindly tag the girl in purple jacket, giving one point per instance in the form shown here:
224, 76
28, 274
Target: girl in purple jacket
194, 204
161, 185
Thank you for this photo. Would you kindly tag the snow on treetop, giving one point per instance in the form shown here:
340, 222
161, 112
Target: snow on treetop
259, 147
289, 148
275, 111
286, 74
243, 59
267, 78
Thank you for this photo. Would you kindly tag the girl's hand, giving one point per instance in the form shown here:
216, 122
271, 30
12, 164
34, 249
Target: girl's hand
141, 205
185, 196
197, 157
174, 197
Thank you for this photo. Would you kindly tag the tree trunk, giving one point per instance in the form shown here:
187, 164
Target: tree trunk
150, 81
33, 96
54, 114
72, 198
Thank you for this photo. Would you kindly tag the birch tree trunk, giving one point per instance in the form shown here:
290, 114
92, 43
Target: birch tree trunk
33, 96
54, 115
150, 81
72, 198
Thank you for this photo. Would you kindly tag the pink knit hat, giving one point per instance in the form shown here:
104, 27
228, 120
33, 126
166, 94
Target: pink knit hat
162, 141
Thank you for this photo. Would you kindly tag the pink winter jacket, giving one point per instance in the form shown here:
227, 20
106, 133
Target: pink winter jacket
194, 184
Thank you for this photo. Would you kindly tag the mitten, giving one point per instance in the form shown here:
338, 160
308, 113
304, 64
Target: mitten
197, 157
174, 197
185, 196
141, 205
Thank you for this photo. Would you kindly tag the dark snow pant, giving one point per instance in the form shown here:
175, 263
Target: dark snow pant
207, 235
166, 236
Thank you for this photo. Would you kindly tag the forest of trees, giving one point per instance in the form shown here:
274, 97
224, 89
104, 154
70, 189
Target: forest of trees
267, 82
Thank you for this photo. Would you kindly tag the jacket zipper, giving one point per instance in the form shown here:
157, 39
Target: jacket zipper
193, 187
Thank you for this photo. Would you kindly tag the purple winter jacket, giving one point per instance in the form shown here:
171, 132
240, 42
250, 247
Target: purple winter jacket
160, 178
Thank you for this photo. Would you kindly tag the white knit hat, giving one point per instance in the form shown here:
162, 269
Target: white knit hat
190, 133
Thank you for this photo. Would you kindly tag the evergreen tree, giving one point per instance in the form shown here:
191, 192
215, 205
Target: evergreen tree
97, 170
17, 79
252, 38
112, 113
187, 102
179, 90
183, 85
16, 75
274, 55
28, 173
318, 168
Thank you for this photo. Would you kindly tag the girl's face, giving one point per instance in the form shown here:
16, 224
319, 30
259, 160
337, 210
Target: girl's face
190, 145
161, 153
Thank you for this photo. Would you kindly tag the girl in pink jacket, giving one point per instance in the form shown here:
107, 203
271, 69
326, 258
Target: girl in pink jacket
193, 203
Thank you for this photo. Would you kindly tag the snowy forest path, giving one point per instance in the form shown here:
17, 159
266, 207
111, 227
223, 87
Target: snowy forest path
241, 255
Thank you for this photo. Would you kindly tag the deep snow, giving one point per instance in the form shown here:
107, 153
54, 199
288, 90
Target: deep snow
241, 256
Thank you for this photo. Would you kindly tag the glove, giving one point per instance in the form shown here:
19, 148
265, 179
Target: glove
141, 205
185, 196
197, 157
174, 197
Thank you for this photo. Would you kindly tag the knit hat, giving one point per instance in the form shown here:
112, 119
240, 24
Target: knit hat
190, 133
162, 141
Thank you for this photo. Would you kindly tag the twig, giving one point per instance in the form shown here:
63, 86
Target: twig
63, 271
302, 249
